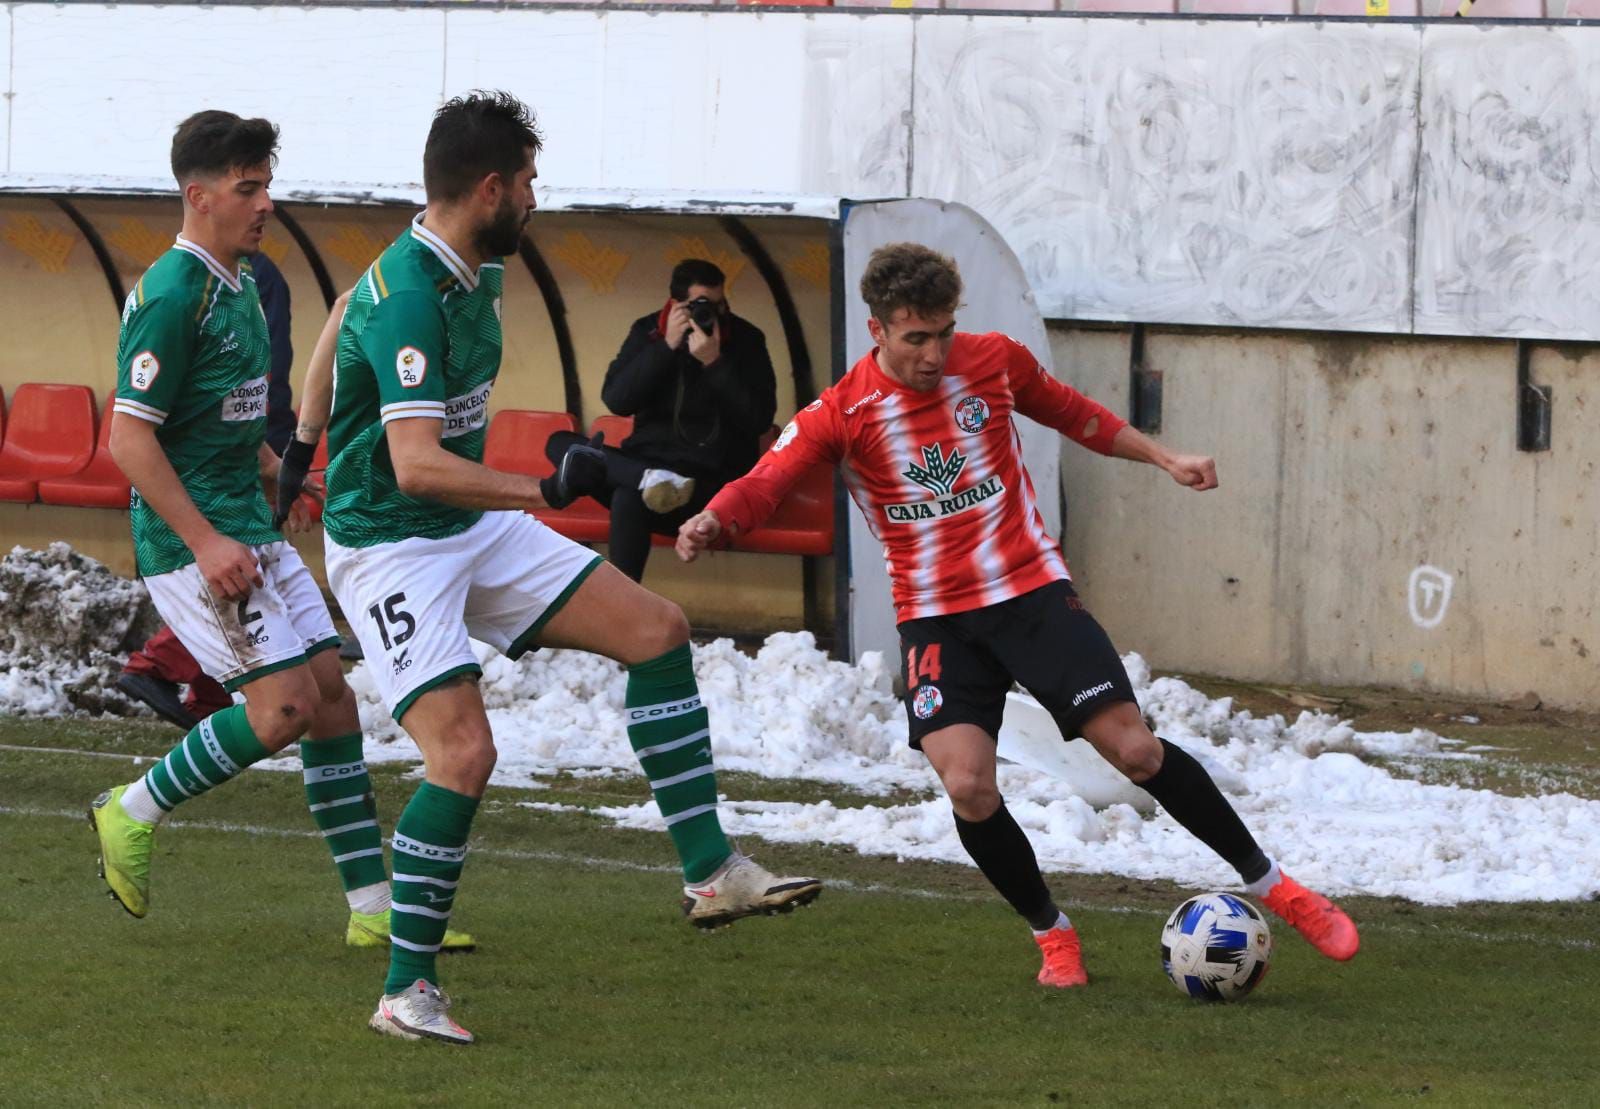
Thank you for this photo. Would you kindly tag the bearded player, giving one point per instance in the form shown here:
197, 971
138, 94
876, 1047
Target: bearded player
924, 426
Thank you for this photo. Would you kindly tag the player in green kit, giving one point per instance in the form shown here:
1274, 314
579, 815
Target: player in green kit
427, 546
189, 430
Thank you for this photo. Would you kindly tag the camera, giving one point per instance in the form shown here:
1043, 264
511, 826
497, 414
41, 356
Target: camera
704, 311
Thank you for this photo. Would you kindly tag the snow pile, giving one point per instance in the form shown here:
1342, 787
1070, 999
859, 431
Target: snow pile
66, 624
1333, 820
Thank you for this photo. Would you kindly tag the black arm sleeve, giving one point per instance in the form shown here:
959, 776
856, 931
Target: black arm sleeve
274, 293
639, 371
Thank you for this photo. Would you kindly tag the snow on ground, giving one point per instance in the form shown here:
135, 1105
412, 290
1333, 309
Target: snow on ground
790, 712
66, 625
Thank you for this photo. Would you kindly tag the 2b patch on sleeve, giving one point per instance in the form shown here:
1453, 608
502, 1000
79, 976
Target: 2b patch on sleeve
412, 366
142, 371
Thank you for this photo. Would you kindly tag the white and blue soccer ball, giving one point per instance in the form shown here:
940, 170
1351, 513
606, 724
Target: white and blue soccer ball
1216, 947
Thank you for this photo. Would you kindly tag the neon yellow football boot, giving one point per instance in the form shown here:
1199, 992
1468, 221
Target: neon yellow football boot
125, 846
372, 930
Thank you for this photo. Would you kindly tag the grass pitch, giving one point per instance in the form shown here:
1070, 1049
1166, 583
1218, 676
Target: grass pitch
906, 984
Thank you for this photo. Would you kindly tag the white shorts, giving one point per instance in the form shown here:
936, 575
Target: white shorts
415, 603
274, 628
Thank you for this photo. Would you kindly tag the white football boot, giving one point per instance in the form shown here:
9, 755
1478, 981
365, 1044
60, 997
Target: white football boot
741, 887
421, 1012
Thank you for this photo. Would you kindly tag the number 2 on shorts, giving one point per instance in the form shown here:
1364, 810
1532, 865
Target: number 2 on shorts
930, 668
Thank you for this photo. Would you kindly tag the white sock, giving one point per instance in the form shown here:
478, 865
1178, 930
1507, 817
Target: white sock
139, 804
369, 899
1061, 922
1261, 885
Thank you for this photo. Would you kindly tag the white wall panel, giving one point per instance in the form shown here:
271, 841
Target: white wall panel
1220, 173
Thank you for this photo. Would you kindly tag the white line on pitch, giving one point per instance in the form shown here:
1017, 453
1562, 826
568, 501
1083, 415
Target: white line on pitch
837, 884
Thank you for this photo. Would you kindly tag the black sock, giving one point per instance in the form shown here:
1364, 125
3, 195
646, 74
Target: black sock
1006, 858
1185, 790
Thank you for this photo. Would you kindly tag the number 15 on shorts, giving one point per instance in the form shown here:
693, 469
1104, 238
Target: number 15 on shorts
395, 624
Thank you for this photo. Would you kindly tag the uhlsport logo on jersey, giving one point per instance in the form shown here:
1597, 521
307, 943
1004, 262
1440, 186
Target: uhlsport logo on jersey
143, 370
937, 474
926, 701
972, 414
412, 366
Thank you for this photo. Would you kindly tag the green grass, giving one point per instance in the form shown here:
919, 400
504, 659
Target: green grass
908, 983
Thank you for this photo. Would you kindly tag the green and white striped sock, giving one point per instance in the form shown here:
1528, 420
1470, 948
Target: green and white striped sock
670, 732
339, 793
430, 848
216, 749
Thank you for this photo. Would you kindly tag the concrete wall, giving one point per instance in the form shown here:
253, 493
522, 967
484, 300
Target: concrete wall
1346, 464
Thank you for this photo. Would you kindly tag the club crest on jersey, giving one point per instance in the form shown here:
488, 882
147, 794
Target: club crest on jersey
926, 701
143, 370
972, 414
412, 366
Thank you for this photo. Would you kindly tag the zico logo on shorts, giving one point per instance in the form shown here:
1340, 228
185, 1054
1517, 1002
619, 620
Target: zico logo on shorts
246, 402
646, 713
1090, 692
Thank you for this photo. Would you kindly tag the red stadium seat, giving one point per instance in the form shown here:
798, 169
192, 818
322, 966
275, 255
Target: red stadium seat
617, 428
51, 434
100, 484
516, 443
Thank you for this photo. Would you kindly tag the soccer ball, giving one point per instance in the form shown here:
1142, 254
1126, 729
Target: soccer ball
1216, 947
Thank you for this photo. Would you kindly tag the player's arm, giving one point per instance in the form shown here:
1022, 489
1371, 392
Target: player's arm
316, 401
815, 437
424, 469
158, 338
1089, 423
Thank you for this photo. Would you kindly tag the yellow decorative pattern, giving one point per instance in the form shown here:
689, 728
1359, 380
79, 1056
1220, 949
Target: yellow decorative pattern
354, 246
813, 266
139, 242
599, 265
46, 246
274, 248
693, 246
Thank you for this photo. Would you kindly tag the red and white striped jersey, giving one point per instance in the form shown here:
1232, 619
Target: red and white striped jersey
938, 475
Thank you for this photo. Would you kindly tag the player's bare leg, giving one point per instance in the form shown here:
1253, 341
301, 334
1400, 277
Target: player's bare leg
1182, 787
612, 615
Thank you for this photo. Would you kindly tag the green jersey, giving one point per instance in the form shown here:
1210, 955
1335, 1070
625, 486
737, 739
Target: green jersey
420, 338
193, 359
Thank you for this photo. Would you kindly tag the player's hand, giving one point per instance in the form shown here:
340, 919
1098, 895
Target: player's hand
229, 567
292, 469
697, 534
1197, 471
582, 473
679, 323
706, 348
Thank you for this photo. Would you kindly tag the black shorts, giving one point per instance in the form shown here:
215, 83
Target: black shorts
959, 668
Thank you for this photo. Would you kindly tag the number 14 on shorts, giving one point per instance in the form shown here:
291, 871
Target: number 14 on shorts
923, 665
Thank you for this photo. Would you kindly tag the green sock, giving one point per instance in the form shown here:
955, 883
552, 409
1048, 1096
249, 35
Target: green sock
430, 847
669, 731
218, 748
339, 793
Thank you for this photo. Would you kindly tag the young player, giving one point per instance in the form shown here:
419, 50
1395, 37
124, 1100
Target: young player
923, 425
426, 547
189, 430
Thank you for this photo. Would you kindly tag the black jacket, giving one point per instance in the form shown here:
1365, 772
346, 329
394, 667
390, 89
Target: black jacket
702, 421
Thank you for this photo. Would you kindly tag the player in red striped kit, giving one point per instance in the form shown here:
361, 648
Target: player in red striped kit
924, 427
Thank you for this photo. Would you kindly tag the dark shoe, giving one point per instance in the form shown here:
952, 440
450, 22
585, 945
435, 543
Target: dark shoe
160, 695
350, 649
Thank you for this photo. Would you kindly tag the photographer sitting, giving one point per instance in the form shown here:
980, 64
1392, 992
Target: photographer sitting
699, 385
